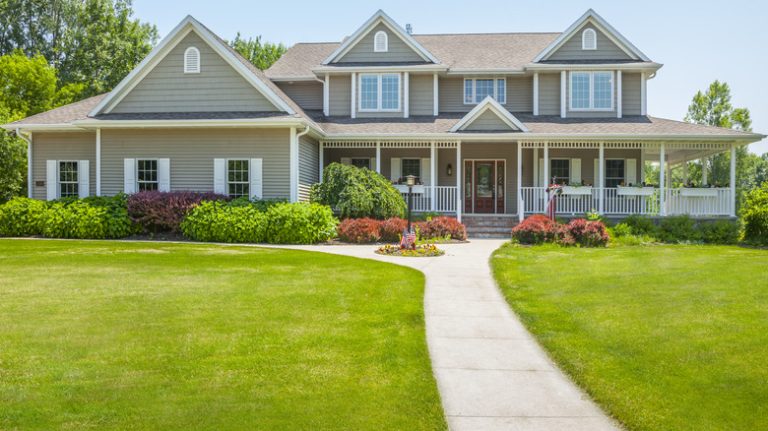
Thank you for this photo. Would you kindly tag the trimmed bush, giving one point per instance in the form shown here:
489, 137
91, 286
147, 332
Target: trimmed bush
360, 230
587, 233
89, 218
755, 215
622, 229
164, 211
442, 227
640, 225
537, 229
391, 229
216, 221
22, 217
358, 193
300, 223
678, 229
720, 231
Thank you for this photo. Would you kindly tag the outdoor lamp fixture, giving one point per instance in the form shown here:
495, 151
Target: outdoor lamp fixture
449, 170
410, 180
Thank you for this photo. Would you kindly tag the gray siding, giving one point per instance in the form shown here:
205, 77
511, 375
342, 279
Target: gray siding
549, 94
630, 89
61, 146
308, 95
606, 50
362, 52
218, 87
308, 166
421, 94
340, 93
192, 152
488, 121
519, 94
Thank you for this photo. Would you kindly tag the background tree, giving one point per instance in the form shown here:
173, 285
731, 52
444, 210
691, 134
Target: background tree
262, 55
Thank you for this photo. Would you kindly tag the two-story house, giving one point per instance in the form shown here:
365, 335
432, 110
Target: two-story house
484, 121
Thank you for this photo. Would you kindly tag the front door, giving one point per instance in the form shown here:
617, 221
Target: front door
484, 186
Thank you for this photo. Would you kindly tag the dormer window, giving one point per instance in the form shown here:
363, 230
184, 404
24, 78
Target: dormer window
380, 42
192, 60
589, 39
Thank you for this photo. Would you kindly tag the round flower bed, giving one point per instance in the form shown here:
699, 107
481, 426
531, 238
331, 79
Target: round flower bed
424, 250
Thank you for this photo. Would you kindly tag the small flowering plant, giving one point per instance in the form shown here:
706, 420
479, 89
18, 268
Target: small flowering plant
555, 188
424, 250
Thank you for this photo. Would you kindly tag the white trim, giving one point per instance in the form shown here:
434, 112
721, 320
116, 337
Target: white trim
535, 94
459, 181
293, 158
320, 161
343, 70
662, 180
378, 157
519, 194
649, 67
619, 94
406, 94
491, 104
546, 164
353, 92
584, 45
98, 162
563, 94
383, 18
732, 182
433, 180
384, 42
590, 16
643, 94
601, 178
327, 95
591, 108
186, 26
191, 64
435, 95
496, 93
379, 99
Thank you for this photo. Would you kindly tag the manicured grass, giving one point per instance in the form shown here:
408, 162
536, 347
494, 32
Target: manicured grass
663, 337
116, 335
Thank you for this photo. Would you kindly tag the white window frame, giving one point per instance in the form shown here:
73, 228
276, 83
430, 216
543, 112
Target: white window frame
379, 99
584, 45
385, 48
591, 107
157, 173
551, 170
191, 68
402, 171
496, 93
623, 171
58, 177
247, 182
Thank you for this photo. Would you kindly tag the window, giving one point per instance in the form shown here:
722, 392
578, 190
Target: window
411, 167
614, 173
475, 90
560, 170
380, 42
238, 178
588, 39
146, 175
363, 162
192, 60
68, 180
591, 91
379, 92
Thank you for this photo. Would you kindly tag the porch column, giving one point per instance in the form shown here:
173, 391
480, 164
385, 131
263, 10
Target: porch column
458, 181
98, 162
433, 176
378, 157
535, 94
520, 208
704, 172
326, 95
320, 161
685, 172
662, 179
353, 92
601, 179
733, 180
536, 167
546, 164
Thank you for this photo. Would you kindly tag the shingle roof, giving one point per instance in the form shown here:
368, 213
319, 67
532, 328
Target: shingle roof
63, 114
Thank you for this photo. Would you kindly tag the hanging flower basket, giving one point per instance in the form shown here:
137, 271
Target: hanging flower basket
577, 190
635, 191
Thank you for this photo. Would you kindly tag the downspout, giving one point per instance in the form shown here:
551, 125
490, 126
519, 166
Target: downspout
294, 160
28, 140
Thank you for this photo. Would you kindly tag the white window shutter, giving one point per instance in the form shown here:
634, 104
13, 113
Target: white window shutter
394, 168
51, 179
220, 176
575, 171
83, 179
426, 175
257, 184
596, 173
164, 175
541, 174
630, 174
346, 160
129, 176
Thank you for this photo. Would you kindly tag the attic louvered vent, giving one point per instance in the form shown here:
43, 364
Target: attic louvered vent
192, 60
380, 42
588, 39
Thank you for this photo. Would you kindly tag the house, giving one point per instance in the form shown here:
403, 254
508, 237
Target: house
484, 121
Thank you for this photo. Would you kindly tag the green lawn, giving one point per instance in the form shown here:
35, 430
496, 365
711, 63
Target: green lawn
663, 337
116, 335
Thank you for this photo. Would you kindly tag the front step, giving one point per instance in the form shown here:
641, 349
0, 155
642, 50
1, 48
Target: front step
489, 226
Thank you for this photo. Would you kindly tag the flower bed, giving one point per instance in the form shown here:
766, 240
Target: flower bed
425, 250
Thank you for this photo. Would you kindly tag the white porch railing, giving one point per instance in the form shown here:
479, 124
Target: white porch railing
445, 199
695, 202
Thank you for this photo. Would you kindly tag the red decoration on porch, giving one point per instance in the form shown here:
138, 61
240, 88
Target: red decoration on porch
554, 190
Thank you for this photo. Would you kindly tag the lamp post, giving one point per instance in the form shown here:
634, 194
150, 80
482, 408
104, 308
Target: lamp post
410, 180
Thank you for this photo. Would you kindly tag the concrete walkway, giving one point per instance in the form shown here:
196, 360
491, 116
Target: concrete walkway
491, 373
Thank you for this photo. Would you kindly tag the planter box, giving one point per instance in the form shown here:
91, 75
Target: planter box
402, 188
578, 191
635, 191
698, 193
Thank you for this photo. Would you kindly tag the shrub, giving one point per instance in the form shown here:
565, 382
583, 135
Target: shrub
391, 229
164, 211
442, 227
640, 225
755, 215
537, 229
720, 232
621, 229
360, 230
22, 217
678, 229
300, 223
216, 221
356, 193
89, 218
586, 233
259, 204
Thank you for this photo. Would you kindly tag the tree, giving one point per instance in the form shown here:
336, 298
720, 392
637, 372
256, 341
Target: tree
262, 55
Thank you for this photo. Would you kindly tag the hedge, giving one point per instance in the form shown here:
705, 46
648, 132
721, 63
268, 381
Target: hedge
89, 218
358, 193
158, 211
22, 217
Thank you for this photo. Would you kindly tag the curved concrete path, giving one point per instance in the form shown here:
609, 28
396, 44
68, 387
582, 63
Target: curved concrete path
491, 373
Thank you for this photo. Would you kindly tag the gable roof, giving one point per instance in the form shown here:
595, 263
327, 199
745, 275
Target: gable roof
489, 104
591, 16
379, 18
187, 25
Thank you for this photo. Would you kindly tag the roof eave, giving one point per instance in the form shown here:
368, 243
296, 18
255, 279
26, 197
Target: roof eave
649, 67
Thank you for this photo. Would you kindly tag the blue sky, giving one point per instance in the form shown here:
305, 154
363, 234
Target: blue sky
697, 41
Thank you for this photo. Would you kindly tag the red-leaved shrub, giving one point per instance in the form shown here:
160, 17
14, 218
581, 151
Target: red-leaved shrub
359, 230
164, 211
441, 227
392, 229
537, 229
588, 233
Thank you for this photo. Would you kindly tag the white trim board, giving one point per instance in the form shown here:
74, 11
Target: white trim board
491, 104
